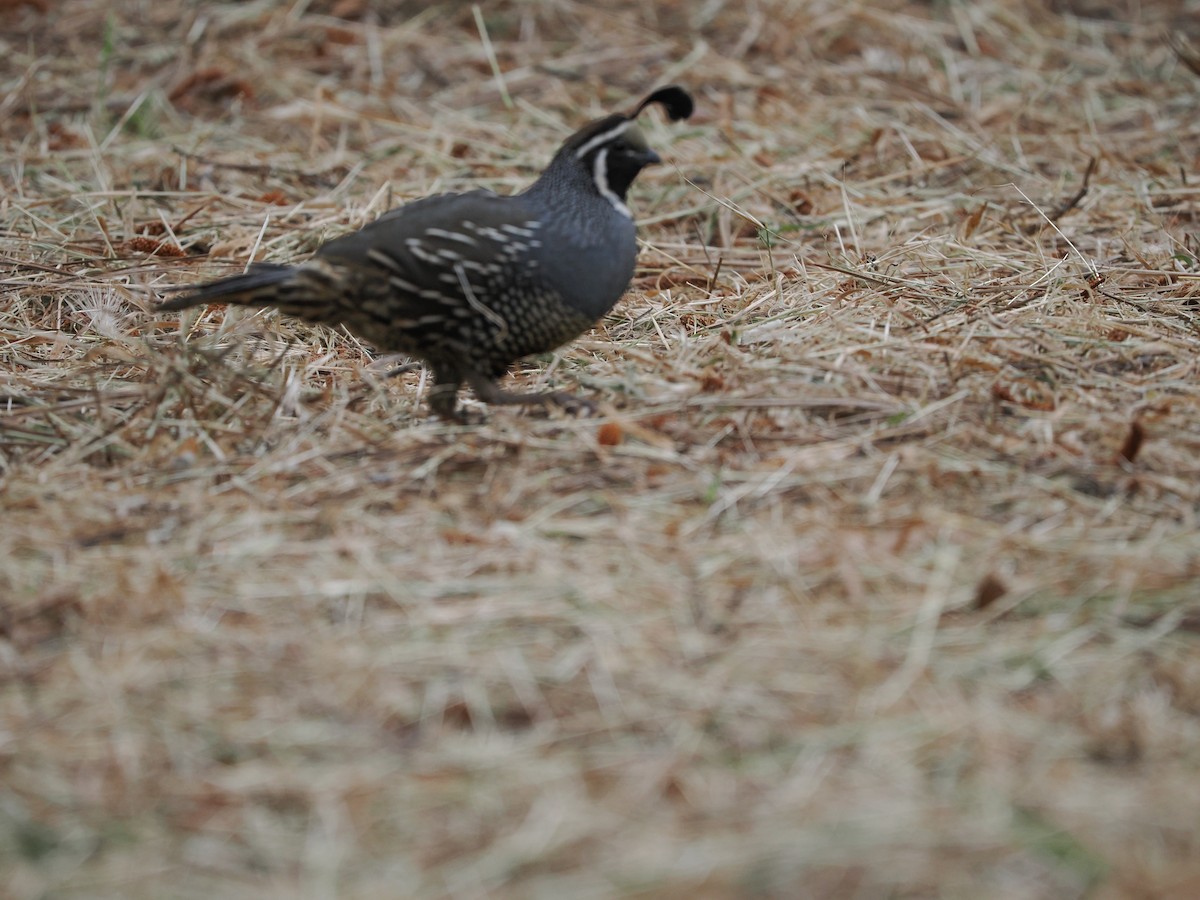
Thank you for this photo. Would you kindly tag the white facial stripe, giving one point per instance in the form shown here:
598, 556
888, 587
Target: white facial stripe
600, 174
602, 138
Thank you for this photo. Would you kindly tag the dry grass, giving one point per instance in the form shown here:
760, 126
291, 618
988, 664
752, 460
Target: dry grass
877, 577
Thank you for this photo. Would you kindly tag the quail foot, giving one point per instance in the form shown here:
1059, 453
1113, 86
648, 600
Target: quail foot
470, 283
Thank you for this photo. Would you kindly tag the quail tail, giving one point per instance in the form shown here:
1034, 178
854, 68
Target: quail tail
260, 286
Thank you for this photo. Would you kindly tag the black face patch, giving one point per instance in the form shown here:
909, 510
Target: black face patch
615, 158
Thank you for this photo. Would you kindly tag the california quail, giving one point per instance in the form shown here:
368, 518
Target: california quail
470, 283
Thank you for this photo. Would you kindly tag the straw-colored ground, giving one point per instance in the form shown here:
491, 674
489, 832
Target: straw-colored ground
877, 575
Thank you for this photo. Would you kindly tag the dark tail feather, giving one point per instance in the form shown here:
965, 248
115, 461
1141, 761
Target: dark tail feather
257, 287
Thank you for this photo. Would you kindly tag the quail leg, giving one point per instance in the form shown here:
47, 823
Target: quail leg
402, 370
489, 392
443, 398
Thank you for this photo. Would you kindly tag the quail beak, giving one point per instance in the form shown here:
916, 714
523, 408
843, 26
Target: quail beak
650, 158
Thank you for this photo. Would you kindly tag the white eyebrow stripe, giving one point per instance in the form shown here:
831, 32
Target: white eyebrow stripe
600, 174
603, 138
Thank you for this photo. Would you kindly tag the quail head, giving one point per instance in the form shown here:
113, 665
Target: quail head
470, 283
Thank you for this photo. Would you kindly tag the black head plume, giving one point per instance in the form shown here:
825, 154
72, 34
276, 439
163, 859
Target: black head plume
674, 99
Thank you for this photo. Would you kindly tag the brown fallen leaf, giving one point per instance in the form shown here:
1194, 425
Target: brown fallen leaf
1133, 441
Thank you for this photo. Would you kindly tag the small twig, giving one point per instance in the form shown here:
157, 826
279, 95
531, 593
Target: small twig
319, 178
179, 223
1087, 262
490, 52
1073, 201
1184, 51
257, 242
712, 281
